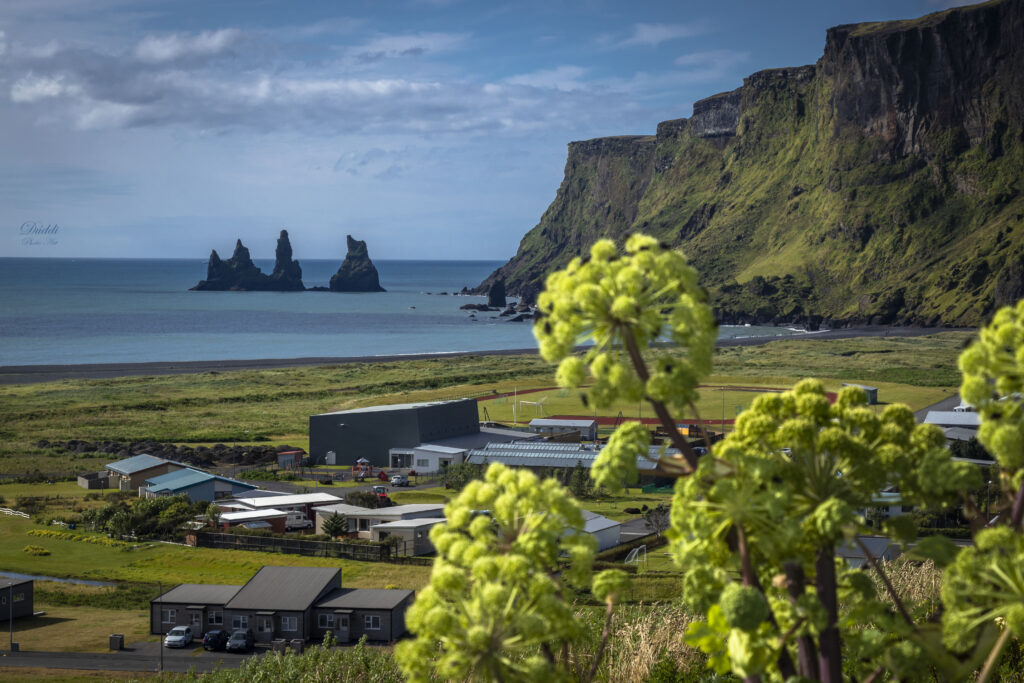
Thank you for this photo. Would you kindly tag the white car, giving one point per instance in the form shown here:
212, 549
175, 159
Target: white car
179, 636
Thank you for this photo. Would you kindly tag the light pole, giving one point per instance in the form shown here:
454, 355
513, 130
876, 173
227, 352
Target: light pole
10, 612
160, 642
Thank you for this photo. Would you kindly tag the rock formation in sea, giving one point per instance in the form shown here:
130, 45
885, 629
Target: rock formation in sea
287, 275
496, 294
240, 274
357, 273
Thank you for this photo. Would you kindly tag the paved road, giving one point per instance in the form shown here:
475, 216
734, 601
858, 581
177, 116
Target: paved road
945, 404
136, 657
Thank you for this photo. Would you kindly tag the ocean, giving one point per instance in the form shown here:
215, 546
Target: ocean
72, 311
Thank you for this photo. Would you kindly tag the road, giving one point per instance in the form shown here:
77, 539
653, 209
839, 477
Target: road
136, 657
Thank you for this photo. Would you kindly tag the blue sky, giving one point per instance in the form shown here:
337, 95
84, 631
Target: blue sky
430, 128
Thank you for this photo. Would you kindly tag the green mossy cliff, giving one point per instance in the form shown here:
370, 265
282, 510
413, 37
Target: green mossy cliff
882, 184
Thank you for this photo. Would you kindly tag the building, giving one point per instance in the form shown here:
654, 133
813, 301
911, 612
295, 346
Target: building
543, 455
272, 519
436, 455
16, 598
413, 534
285, 602
953, 418
872, 392
297, 502
587, 428
362, 522
880, 547
131, 474
605, 531
198, 486
347, 435
324, 512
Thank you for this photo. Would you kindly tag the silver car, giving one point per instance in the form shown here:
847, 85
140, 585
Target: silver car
179, 636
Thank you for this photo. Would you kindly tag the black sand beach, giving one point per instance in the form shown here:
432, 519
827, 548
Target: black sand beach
31, 374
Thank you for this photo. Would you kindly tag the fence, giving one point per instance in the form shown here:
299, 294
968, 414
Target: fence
293, 546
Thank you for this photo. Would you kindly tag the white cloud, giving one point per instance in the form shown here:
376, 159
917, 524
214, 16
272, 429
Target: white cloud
652, 35
32, 88
711, 58
413, 45
157, 49
104, 115
565, 77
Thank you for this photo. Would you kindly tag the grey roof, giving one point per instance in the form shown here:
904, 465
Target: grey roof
364, 598
261, 493
138, 463
865, 387
960, 433
398, 511
951, 418
393, 406
485, 436
438, 448
550, 454
599, 523
410, 523
340, 508
284, 588
199, 594
552, 422
7, 582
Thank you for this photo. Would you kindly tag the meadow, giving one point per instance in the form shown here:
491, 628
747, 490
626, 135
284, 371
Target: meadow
273, 406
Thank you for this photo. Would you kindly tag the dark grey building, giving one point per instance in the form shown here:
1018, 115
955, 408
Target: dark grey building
16, 598
285, 602
348, 435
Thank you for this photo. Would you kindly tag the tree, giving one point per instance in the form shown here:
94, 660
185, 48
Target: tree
771, 502
495, 607
336, 525
579, 482
657, 518
213, 515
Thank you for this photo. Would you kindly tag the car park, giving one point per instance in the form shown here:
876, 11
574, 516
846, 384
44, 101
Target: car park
241, 640
215, 640
179, 636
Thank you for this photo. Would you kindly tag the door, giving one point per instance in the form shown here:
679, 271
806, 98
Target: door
341, 630
264, 629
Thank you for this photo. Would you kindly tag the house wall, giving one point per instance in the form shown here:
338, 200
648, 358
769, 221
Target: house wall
607, 538
138, 479
414, 541
433, 460
182, 617
357, 522
369, 435
19, 599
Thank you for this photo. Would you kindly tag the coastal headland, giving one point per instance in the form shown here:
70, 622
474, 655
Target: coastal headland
32, 374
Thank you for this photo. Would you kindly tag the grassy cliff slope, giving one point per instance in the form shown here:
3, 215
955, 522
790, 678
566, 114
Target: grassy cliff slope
882, 184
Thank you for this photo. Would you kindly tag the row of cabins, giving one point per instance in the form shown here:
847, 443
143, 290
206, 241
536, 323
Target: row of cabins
152, 476
285, 603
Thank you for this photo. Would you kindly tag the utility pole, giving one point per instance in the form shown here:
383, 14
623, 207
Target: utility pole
160, 643
10, 612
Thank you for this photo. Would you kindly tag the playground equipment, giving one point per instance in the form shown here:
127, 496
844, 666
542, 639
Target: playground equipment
537, 405
638, 556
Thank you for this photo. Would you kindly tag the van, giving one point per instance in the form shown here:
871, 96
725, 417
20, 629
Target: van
297, 520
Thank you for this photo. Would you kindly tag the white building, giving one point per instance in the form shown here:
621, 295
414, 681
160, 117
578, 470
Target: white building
586, 428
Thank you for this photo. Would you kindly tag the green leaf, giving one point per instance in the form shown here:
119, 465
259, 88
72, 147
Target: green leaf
902, 528
939, 549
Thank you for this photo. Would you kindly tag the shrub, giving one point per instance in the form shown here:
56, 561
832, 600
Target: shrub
36, 550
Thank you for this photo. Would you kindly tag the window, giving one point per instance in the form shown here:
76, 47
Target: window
422, 462
326, 621
215, 618
371, 622
18, 597
239, 621
343, 621
290, 624
364, 525
168, 616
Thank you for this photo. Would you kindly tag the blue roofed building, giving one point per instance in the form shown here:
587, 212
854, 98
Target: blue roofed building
197, 485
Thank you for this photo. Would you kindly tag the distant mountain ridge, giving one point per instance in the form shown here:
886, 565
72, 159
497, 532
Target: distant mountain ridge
880, 185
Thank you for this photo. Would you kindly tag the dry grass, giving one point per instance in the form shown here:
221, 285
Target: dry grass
917, 584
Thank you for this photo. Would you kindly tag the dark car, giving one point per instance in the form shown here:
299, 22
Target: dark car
215, 640
240, 641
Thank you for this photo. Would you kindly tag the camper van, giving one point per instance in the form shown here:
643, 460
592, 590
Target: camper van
297, 520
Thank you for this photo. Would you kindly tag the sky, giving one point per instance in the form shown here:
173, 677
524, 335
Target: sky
432, 129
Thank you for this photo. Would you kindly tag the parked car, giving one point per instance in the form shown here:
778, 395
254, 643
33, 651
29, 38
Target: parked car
179, 636
216, 640
399, 480
297, 520
241, 640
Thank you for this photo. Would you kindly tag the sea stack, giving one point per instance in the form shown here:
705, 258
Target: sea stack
357, 272
238, 273
496, 294
287, 275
